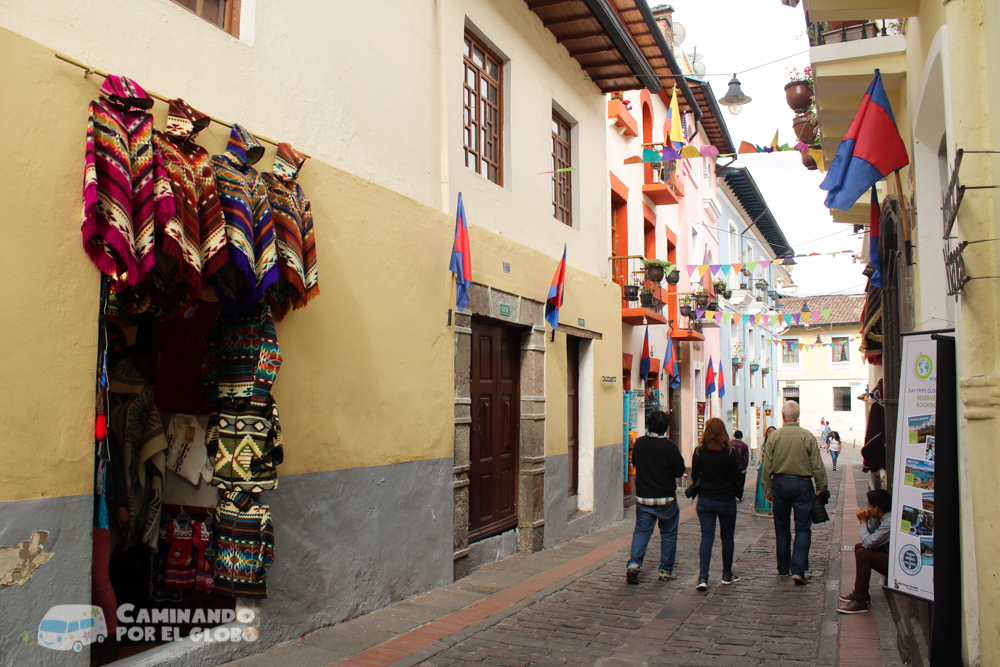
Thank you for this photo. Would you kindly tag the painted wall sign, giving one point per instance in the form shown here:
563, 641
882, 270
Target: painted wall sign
911, 539
580, 321
609, 379
505, 309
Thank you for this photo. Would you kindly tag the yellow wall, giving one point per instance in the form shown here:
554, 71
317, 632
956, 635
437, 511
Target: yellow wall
368, 372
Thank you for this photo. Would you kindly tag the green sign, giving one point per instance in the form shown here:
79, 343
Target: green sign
504, 309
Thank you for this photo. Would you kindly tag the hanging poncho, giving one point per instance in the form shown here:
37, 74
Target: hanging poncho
126, 190
293, 229
195, 236
249, 230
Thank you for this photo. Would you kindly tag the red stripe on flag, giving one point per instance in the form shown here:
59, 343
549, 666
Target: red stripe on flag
878, 140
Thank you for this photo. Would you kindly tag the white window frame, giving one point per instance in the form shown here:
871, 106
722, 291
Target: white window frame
787, 366
839, 366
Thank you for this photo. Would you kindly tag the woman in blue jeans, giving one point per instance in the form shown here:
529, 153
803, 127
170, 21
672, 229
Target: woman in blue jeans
715, 469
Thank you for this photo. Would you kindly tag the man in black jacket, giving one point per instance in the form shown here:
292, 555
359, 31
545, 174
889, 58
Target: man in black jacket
658, 463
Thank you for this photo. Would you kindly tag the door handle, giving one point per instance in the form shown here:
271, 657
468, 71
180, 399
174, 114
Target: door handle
479, 420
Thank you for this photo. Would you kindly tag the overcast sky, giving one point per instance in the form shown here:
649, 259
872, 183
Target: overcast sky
735, 35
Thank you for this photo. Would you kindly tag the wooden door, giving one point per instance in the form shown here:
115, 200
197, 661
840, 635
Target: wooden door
496, 418
573, 411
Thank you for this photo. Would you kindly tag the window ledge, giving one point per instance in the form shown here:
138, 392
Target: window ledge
623, 118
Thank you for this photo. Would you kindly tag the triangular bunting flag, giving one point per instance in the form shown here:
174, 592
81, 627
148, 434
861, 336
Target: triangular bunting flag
737, 267
714, 268
709, 151
788, 318
718, 317
797, 318
690, 151
751, 266
816, 316
670, 154
699, 313
746, 147
764, 263
774, 142
692, 268
726, 317
651, 156
726, 268
826, 314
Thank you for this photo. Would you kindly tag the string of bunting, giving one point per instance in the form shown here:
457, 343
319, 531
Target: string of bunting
696, 271
670, 154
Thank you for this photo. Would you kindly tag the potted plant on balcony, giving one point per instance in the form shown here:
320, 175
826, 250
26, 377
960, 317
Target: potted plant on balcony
621, 97
754, 366
696, 325
798, 91
685, 307
739, 354
766, 369
646, 296
701, 299
674, 277
722, 288
655, 269
632, 291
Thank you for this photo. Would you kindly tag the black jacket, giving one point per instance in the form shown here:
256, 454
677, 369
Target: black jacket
658, 463
718, 474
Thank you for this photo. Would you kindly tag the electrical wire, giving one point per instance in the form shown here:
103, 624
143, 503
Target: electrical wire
750, 69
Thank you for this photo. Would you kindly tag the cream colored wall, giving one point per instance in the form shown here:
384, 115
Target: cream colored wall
539, 73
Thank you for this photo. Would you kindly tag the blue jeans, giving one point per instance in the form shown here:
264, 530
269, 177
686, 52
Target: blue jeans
792, 494
726, 511
834, 456
646, 517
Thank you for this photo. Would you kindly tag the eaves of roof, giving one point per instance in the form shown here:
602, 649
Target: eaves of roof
745, 188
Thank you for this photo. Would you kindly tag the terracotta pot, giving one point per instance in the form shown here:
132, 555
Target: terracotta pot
808, 162
805, 131
798, 95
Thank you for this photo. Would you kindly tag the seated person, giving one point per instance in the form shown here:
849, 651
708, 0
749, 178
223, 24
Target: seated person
872, 552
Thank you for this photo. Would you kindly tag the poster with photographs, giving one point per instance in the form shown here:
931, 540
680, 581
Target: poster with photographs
911, 550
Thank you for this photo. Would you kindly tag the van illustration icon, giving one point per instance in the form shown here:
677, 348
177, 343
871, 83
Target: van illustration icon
72, 626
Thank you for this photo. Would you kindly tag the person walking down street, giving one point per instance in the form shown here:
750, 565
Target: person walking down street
833, 444
658, 463
872, 552
761, 505
792, 475
824, 434
743, 456
715, 468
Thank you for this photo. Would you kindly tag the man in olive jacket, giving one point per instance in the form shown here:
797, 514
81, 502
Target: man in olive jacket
792, 475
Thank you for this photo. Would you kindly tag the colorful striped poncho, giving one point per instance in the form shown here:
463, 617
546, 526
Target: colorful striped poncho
293, 229
242, 358
195, 235
249, 228
126, 191
243, 546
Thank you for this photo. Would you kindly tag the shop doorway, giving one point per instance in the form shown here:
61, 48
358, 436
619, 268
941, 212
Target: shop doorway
495, 436
573, 412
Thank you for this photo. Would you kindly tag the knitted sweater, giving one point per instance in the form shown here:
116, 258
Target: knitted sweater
242, 358
245, 442
249, 228
196, 234
293, 228
244, 546
126, 190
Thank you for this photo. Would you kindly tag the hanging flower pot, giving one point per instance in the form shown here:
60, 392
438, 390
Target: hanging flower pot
728, 294
713, 306
696, 325
631, 292
674, 277
701, 300
739, 365
808, 161
646, 299
765, 371
754, 368
654, 273
685, 311
736, 361
804, 129
798, 95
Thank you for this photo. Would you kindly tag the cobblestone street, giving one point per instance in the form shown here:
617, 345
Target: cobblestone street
572, 606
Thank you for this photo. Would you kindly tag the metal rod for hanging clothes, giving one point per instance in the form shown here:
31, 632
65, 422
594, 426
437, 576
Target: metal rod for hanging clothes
87, 70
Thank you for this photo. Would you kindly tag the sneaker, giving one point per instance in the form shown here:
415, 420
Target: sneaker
784, 575
853, 607
851, 597
702, 584
799, 579
666, 575
632, 574
731, 579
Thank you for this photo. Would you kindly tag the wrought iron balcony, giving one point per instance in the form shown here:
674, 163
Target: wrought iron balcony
835, 32
642, 298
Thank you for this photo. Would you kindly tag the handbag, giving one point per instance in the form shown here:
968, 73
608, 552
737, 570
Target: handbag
693, 489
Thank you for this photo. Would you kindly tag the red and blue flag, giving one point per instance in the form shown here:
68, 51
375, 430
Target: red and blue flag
874, 269
461, 258
710, 378
644, 359
871, 150
556, 291
670, 364
722, 381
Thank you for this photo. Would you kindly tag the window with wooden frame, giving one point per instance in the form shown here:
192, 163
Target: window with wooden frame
562, 189
483, 113
841, 350
222, 13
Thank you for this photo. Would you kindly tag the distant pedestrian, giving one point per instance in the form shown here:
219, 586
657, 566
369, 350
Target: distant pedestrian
761, 505
658, 463
743, 455
833, 444
792, 458
824, 434
715, 468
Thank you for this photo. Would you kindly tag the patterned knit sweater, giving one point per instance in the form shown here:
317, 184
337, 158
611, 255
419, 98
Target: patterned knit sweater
196, 234
126, 190
293, 228
244, 546
249, 228
242, 358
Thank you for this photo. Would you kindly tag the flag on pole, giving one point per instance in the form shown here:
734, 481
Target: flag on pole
722, 382
874, 269
644, 359
710, 379
871, 150
672, 130
461, 257
670, 363
556, 291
